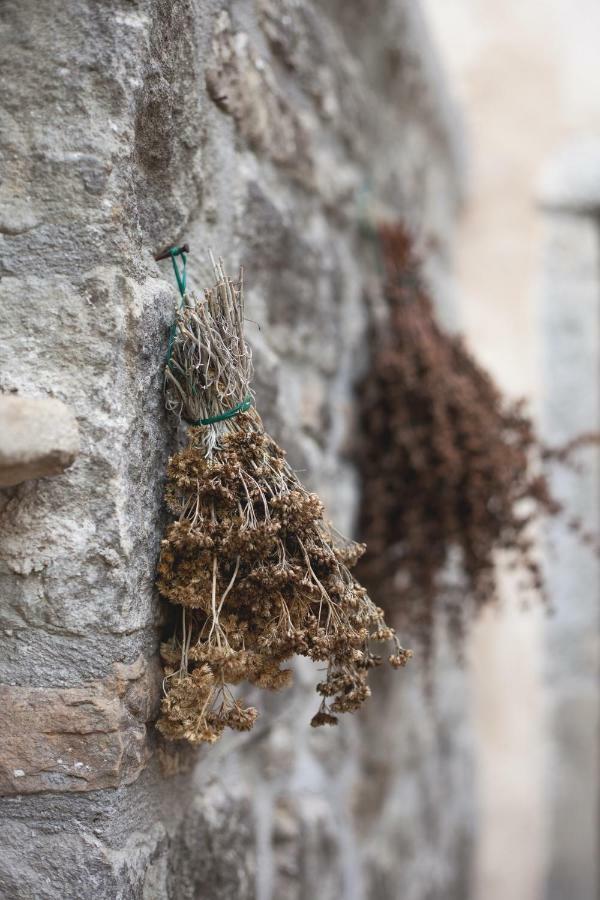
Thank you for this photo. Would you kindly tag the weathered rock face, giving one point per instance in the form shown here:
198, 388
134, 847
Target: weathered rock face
63, 739
571, 332
264, 130
37, 437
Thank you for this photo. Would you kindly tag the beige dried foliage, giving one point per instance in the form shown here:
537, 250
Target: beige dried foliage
257, 572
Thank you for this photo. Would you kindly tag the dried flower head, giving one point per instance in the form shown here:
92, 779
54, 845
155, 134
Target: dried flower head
249, 558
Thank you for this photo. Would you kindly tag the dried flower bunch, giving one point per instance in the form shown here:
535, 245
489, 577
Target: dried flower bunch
446, 461
257, 573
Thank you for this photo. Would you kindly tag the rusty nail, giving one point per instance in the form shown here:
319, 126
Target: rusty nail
165, 254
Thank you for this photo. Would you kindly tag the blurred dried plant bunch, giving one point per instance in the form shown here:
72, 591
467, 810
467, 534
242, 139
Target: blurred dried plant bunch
256, 572
446, 461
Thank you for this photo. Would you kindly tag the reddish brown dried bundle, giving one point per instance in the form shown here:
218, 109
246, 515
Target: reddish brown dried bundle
446, 461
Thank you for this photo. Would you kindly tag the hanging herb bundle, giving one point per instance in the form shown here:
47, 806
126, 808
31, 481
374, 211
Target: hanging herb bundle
446, 461
255, 570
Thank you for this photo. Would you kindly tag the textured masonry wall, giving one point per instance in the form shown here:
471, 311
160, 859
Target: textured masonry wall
570, 303
261, 130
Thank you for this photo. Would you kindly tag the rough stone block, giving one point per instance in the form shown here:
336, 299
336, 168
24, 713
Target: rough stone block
76, 739
38, 436
244, 85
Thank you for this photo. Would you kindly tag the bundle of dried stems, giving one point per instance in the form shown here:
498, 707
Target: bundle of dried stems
257, 572
446, 461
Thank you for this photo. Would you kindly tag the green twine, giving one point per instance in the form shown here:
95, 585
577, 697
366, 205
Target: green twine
226, 414
180, 275
181, 278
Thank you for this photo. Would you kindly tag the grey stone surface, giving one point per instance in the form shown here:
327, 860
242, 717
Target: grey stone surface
570, 181
571, 329
132, 842
415, 815
38, 436
77, 739
268, 131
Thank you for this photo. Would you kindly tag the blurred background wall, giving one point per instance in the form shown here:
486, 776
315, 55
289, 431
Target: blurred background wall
268, 131
526, 76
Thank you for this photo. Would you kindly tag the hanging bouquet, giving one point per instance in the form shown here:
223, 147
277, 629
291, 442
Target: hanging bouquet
446, 461
256, 571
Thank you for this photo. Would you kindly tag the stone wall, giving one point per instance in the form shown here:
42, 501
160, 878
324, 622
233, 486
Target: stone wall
534, 679
263, 130
570, 298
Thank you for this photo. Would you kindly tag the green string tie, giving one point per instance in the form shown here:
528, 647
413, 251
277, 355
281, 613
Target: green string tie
181, 278
226, 414
180, 275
